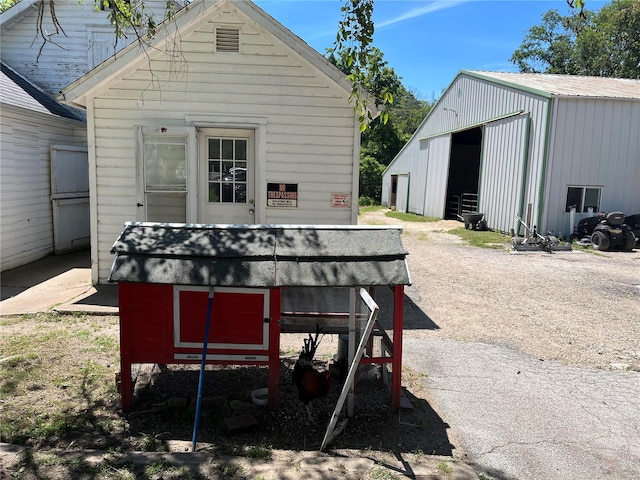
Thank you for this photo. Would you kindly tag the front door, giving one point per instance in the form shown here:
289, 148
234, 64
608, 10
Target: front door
226, 174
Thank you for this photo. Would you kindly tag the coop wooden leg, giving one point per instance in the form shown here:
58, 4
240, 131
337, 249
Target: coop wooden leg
398, 326
274, 349
126, 387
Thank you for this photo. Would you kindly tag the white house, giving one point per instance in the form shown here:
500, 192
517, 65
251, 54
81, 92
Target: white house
36, 131
44, 189
227, 118
531, 145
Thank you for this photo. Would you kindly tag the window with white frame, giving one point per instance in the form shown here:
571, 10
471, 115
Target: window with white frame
584, 198
165, 178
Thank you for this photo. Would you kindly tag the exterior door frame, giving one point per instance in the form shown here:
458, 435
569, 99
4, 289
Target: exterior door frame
241, 122
189, 134
249, 208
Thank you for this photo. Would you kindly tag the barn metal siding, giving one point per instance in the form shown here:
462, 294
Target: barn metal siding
414, 160
503, 170
471, 101
418, 185
590, 136
435, 192
583, 131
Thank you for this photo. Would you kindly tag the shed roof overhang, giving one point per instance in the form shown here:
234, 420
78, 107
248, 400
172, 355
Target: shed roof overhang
261, 256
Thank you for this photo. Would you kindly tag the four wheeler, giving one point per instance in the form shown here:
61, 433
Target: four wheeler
613, 232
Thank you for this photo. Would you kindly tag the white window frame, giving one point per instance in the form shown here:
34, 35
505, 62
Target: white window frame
580, 207
189, 135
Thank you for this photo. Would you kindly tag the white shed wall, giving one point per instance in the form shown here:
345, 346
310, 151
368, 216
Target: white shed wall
69, 56
310, 126
26, 229
589, 137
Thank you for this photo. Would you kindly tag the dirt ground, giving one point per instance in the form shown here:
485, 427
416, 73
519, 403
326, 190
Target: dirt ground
579, 308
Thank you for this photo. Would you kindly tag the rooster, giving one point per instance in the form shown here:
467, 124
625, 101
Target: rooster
311, 383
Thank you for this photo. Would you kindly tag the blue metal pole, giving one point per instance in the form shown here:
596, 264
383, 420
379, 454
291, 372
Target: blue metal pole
196, 422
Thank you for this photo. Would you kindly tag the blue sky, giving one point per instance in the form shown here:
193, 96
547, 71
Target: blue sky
428, 42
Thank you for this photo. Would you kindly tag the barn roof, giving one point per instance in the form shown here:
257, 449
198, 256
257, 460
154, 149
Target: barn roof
260, 255
565, 85
18, 91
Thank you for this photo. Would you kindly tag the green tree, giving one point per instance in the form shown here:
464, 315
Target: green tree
606, 43
7, 4
370, 180
384, 138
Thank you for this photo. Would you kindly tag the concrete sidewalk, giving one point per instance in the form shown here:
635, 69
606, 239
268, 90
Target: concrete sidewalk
58, 282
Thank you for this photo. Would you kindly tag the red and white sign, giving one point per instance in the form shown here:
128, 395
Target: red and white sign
340, 200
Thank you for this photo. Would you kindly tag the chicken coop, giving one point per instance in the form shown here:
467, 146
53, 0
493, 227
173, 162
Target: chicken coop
253, 283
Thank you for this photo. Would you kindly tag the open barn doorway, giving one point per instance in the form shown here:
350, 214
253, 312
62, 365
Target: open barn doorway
464, 172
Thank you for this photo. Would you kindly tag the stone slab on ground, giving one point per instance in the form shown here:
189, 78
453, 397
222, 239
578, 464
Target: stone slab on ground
284, 464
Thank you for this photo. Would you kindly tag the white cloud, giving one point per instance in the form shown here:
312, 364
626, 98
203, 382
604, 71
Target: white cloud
419, 12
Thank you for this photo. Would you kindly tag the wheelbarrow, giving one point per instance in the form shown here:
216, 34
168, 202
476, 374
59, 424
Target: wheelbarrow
473, 220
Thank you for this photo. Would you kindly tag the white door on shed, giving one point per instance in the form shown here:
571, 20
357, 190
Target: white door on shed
402, 197
226, 170
70, 198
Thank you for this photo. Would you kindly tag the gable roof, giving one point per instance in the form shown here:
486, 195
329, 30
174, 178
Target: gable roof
18, 91
77, 92
564, 85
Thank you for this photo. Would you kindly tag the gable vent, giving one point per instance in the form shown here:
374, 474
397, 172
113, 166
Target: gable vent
227, 40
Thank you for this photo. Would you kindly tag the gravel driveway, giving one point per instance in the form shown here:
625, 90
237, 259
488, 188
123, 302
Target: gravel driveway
580, 308
532, 359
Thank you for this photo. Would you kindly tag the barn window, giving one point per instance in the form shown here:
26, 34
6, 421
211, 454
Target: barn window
227, 40
584, 199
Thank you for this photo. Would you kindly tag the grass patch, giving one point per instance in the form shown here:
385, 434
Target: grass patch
380, 473
370, 208
152, 443
57, 381
483, 239
260, 452
411, 217
444, 468
230, 470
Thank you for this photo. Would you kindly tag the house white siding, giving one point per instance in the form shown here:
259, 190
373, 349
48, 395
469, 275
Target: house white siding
25, 189
305, 135
82, 40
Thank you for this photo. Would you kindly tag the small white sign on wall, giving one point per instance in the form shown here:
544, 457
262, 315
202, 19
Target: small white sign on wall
340, 200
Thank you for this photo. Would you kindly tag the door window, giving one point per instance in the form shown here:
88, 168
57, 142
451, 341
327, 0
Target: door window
227, 167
